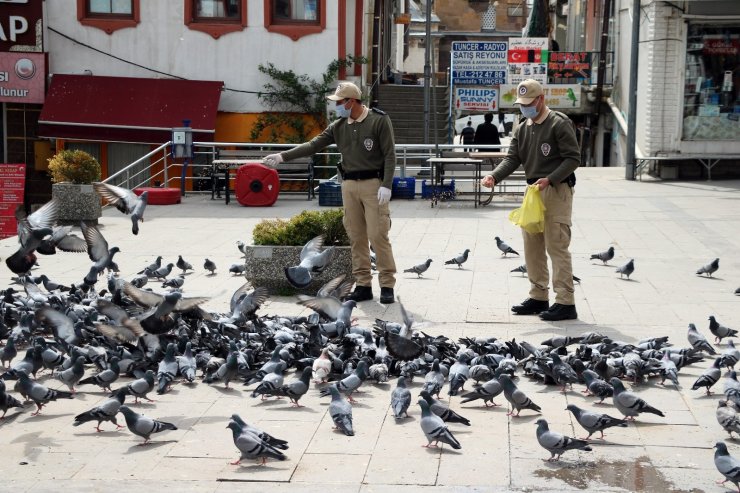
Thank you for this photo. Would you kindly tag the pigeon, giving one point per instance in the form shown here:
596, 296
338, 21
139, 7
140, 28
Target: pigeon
226, 372
32, 230
593, 422
351, 382
186, 364
312, 261
251, 446
340, 411
297, 388
210, 266
434, 379
332, 309
140, 387
488, 391
709, 269
167, 370
596, 386
7, 401
459, 260
698, 341
73, 374
628, 403
434, 428
182, 264
271, 382
265, 437
104, 412
142, 426
97, 250
174, 282
459, 373
521, 269
237, 269
730, 356
105, 378
420, 268
38, 393
604, 256
8, 352
627, 269
443, 411
125, 201
242, 247
720, 331
727, 465
710, 376
727, 416
162, 272
321, 367
401, 345
668, 370
562, 372
504, 247
400, 399
555, 443
516, 397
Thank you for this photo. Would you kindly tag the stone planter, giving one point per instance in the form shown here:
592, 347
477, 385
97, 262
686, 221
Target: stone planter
265, 266
76, 203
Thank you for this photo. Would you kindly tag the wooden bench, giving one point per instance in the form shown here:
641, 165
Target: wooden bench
228, 160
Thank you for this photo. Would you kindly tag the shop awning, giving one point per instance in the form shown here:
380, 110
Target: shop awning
127, 109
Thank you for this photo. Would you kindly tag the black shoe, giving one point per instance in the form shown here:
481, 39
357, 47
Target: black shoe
560, 312
361, 293
386, 296
530, 307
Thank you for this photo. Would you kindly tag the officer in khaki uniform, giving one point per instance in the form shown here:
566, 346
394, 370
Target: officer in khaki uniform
546, 145
365, 138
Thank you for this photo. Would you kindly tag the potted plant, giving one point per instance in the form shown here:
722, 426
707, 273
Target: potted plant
278, 244
72, 174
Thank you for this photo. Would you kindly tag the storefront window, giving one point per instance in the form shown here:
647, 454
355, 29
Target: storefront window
712, 85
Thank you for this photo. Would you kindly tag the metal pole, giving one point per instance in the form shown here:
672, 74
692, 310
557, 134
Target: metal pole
427, 69
630, 165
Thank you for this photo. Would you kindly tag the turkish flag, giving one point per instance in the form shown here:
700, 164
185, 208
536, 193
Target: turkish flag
524, 56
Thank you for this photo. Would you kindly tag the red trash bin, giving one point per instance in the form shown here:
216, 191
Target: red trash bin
256, 185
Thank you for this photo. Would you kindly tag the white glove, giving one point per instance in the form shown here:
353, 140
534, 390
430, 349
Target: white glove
272, 160
384, 195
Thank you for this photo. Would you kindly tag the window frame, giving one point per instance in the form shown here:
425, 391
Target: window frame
295, 29
108, 23
215, 26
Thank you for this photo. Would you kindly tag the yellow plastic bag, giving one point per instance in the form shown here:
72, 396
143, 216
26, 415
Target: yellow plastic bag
531, 215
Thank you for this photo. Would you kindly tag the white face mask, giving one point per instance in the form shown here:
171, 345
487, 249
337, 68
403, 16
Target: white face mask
342, 111
529, 111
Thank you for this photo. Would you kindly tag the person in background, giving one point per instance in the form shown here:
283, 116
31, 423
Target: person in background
546, 145
467, 135
487, 132
365, 139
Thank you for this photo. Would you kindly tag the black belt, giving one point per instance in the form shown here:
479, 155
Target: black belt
362, 175
570, 180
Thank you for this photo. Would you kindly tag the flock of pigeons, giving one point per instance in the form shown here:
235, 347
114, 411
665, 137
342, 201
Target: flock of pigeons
153, 339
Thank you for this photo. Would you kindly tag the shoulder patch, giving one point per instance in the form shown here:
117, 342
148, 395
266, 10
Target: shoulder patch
378, 111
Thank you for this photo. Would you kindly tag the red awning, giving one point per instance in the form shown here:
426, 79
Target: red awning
127, 109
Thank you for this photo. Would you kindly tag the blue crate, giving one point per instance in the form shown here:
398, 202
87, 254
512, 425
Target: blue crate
438, 191
403, 188
330, 194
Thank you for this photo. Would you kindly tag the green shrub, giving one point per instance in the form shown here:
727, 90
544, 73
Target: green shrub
74, 167
299, 229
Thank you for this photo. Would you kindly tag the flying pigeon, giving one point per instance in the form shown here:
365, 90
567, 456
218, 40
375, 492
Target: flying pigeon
340, 411
627, 269
709, 269
555, 443
142, 426
312, 261
401, 345
420, 268
32, 231
504, 247
125, 201
593, 422
720, 331
628, 403
400, 399
434, 428
605, 256
106, 411
727, 465
459, 260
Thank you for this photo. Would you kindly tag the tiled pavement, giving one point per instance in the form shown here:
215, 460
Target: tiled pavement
669, 228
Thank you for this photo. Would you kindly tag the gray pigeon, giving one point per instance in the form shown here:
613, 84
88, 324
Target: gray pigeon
459, 373
73, 374
628, 403
226, 372
698, 341
140, 387
727, 416
521, 269
593, 422
8, 352
183, 265
174, 282
125, 201
264, 436
271, 382
605, 256
420, 268
167, 370
340, 411
709, 269
443, 411
488, 391
162, 272
555, 443
105, 378
142, 426
97, 249
7, 401
350, 383
727, 465
104, 412
434, 379
186, 364
210, 266
434, 428
501, 244
627, 269
38, 393
400, 399
596, 386
333, 309
238, 269
251, 446
312, 261
710, 376
516, 397
720, 331
730, 356
459, 260
297, 388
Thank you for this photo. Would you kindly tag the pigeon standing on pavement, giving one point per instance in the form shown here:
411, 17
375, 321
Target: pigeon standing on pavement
312, 261
340, 411
443, 411
604, 256
143, 426
350, 383
40, 394
596, 386
698, 341
140, 387
627, 269
709, 269
167, 370
710, 376
720, 331
555, 443
727, 465
730, 356
7, 401
593, 422
504, 247
297, 388
434, 428
251, 446
321, 367
104, 412
73, 374
400, 399
516, 397
420, 268
727, 416
460, 259
105, 378
210, 266
629, 404
487, 392
521, 269
183, 265
264, 436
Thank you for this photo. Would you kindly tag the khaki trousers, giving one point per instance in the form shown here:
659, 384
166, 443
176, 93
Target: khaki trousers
367, 221
555, 240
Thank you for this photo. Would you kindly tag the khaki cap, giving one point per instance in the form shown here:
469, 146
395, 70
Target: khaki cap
527, 91
346, 90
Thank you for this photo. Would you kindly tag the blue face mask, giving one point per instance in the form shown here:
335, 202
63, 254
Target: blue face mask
528, 111
342, 111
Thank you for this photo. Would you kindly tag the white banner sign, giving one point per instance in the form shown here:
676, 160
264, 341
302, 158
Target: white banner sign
560, 96
527, 58
476, 99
